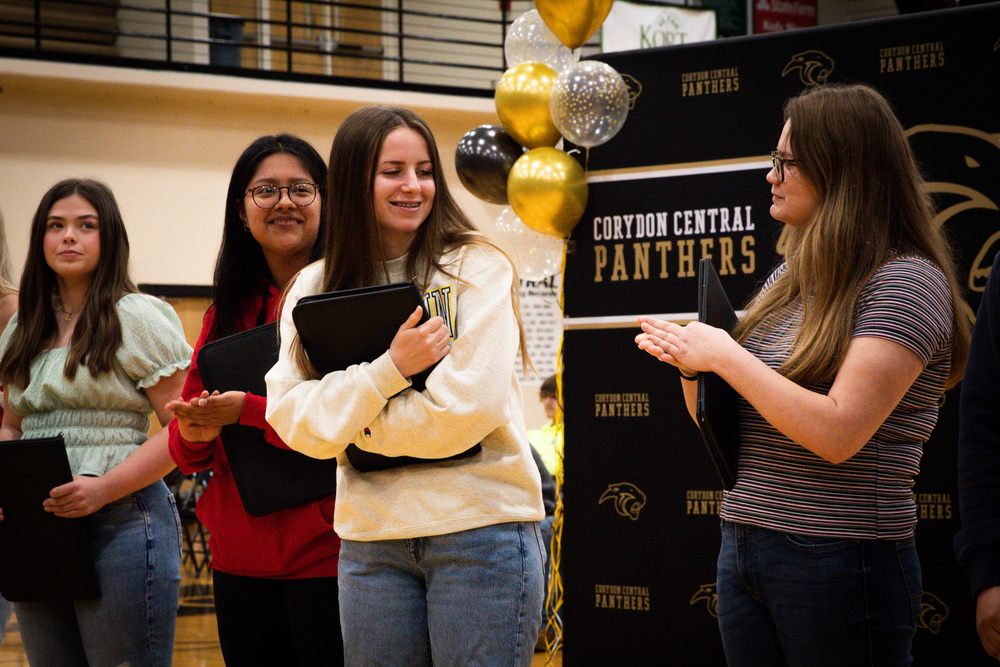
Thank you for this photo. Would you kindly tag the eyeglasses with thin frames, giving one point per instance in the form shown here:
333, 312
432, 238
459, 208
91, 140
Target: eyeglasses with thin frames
779, 163
268, 196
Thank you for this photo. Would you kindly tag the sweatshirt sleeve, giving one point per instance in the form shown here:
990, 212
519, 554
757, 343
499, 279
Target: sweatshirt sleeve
320, 417
977, 544
466, 395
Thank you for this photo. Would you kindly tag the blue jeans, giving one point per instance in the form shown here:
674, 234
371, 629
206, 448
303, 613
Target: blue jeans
788, 599
462, 599
545, 529
135, 544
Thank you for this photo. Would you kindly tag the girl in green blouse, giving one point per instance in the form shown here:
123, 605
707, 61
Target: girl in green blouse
88, 357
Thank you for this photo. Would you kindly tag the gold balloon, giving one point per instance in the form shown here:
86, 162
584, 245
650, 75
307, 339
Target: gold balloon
522, 99
547, 188
573, 21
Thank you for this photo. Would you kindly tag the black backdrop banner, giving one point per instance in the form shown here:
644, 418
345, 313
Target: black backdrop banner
684, 179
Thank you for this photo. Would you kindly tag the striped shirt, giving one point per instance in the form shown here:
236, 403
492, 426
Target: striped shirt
783, 486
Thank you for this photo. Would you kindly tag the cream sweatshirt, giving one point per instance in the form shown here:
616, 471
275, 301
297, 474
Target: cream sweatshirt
472, 396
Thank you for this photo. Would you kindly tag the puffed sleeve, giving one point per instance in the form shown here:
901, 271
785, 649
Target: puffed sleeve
7, 333
153, 344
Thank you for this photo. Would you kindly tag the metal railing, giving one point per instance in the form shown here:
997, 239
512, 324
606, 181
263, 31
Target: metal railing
450, 45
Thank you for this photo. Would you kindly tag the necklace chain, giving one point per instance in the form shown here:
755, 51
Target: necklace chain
62, 308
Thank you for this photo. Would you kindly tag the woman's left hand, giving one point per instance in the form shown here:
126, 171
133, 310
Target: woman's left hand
84, 495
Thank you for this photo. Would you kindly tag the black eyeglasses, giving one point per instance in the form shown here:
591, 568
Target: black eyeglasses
779, 163
268, 196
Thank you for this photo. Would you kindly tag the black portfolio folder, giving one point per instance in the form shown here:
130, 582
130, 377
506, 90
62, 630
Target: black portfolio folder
267, 478
348, 327
716, 407
42, 556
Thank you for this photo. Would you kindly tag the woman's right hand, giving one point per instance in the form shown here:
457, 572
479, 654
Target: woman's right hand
416, 348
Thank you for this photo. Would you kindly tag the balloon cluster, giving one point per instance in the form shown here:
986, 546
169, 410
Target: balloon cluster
544, 96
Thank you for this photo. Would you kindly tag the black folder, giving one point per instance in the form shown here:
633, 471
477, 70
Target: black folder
354, 326
42, 556
267, 478
716, 408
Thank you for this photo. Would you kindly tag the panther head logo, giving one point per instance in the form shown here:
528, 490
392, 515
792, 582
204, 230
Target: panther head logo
628, 499
814, 67
933, 612
962, 181
634, 89
707, 593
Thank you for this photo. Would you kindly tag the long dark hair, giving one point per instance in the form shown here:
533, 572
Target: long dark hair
98, 333
240, 266
353, 247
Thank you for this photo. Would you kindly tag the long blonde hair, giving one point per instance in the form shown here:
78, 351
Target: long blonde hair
849, 144
353, 254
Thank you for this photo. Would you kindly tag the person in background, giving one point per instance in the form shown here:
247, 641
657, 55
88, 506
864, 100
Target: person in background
88, 357
547, 447
545, 632
440, 561
841, 362
274, 576
548, 440
977, 544
8, 306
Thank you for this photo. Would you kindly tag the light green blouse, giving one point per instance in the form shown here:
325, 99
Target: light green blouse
103, 419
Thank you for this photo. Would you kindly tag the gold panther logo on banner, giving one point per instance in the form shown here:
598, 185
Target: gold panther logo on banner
973, 153
707, 593
933, 613
814, 67
628, 499
634, 89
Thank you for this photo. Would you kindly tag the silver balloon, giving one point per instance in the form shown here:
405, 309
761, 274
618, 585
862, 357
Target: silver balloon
529, 40
535, 255
589, 103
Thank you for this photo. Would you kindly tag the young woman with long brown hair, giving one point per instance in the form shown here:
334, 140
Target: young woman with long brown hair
440, 560
841, 361
88, 357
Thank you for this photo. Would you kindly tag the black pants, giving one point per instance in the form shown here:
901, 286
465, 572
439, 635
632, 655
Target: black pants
278, 621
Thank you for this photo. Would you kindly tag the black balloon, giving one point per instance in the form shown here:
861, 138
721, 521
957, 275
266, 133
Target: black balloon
483, 160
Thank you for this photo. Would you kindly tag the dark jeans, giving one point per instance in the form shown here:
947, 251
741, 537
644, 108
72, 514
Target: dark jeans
788, 599
278, 621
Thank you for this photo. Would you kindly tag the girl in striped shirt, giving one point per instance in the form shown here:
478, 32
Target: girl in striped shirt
840, 362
